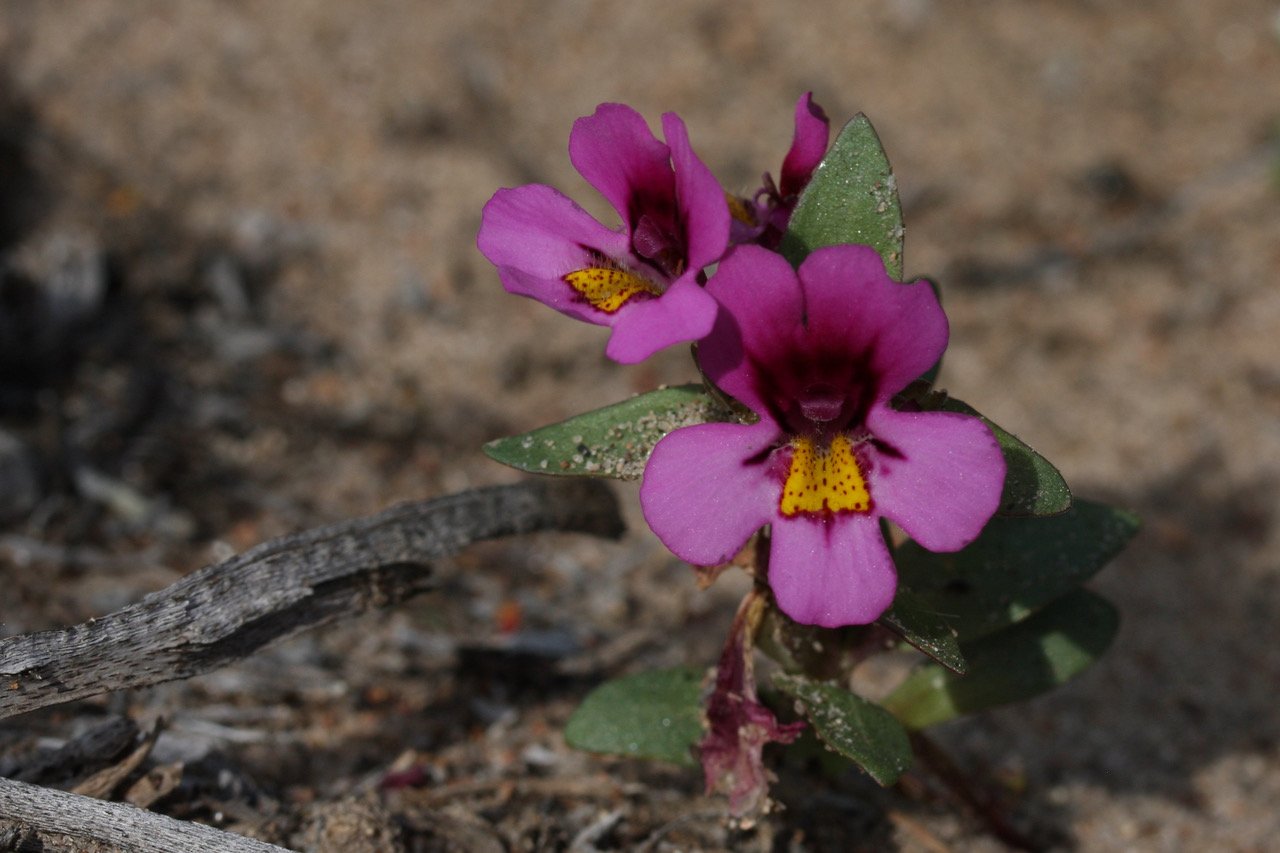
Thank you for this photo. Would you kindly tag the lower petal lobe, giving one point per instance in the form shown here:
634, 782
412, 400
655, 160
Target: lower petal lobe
943, 480
707, 488
831, 571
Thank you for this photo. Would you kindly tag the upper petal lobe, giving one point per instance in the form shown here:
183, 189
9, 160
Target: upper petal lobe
616, 152
851, 302
808, 146
760, 320
703, 209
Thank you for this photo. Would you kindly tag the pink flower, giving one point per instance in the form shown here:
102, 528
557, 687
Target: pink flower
763, 218
818, 357
644, 279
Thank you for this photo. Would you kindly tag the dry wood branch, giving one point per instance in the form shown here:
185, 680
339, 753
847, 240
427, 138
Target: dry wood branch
120, 826
224, 612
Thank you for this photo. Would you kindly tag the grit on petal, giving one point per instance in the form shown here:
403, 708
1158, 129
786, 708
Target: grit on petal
849, 297
761, 318
808, 146
831, 571
703, 209
944, 479
616, 152
699, 494
684, 313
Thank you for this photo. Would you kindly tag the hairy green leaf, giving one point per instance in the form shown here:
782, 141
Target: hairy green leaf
655, 714
861, 731
1014, 568
919, 623
1030, 658
611, 442
851, 198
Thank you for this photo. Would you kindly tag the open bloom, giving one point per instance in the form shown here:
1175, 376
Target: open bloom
818, 356
763, 218
643, 279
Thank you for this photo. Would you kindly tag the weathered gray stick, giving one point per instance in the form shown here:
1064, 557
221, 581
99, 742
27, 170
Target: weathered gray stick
119, 825
224, 612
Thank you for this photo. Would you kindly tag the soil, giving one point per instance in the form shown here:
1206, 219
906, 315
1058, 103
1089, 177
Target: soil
242, 298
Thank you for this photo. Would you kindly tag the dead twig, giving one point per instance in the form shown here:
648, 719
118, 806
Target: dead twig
225, 612
121, 827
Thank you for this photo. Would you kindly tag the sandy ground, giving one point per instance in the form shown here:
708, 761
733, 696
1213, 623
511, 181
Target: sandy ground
289, 192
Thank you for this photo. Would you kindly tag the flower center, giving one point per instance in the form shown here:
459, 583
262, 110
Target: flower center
824, 479
659, 245
821, 403
608, 289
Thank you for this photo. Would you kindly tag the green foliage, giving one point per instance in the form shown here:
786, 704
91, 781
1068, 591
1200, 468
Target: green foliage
851, 198
1023, 661
918, 622
611, 442
1032, 486
654, 714
861, 731
1014, 568
1004, 619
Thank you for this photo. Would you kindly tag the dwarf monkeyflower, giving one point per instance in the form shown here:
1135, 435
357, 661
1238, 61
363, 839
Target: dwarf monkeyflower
763, 218
818, 354
645, 279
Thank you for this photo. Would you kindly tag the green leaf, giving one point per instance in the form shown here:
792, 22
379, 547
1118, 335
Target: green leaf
1032, 486
611, 442
861, 731
920, 624
1014, 568
1026, 660
654, 714
851, 198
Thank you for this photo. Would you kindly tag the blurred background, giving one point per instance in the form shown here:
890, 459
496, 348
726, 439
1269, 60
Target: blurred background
239, 296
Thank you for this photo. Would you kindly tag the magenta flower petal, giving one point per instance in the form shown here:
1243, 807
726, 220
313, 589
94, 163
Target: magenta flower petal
831, 572
616, 152
808, 146
943, 478
763, 311
848, 293
702, 496
534, 235
684, 313
818, 354
703, 209
637, 279
762, 219
543, 232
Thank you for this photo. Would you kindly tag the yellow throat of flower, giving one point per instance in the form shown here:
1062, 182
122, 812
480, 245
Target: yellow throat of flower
608, 289
824, 479
740, 210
